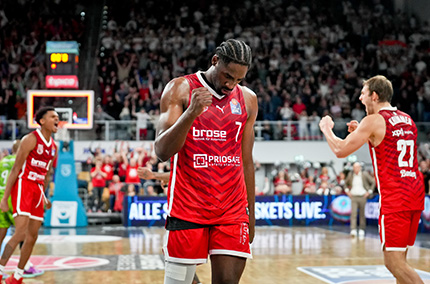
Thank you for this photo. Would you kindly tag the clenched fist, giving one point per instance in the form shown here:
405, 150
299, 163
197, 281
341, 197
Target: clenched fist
200, 98
326, 123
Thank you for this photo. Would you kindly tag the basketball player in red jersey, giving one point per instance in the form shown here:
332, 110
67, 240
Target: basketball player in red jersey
26, 184
392, 138
206, 127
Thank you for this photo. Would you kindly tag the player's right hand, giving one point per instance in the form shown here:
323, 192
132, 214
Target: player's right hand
200, 98
4, 206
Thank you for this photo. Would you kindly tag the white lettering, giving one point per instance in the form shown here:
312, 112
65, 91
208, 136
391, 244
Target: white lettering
398, 132
208, 133
35, 176
284, 210
61, 82
38, 164
400, 119
405, 173
145, 211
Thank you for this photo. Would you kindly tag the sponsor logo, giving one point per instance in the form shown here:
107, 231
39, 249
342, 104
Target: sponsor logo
405, 173
220, 108
37, 163
64, 213
401, 132
53, 152
200, 161
61, 81
204, 161
235, 107
209, 134
400, 119
35, 176
244, 233
39, 149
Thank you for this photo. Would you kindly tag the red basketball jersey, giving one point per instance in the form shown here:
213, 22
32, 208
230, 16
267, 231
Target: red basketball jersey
39, 159
399, 181
207, 183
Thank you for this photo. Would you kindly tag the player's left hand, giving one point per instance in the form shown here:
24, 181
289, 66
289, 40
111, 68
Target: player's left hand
48, 204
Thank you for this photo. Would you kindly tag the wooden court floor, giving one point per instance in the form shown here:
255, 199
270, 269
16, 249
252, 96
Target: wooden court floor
115, 254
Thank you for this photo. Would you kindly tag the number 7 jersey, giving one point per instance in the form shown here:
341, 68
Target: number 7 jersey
207, 181
395, 164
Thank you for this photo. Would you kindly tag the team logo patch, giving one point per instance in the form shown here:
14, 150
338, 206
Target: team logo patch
53, 152
39, 149
235, 107
200, 160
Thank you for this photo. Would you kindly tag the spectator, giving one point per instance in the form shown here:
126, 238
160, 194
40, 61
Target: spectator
98, 179
359, 185
115, 193
282, 183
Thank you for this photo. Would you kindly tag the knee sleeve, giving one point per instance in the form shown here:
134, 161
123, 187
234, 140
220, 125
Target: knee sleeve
176, 273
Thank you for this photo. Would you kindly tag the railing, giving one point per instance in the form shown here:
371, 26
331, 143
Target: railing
126, 130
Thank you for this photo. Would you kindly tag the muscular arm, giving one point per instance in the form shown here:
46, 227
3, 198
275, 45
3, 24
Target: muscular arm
175, 119
248, 162
371, 129
145, 173
27, 144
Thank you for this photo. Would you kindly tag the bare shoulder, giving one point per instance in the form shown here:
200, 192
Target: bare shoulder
176, 89
29, 140
250, 100
374, 124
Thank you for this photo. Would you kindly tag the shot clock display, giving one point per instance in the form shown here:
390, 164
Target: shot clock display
62, 59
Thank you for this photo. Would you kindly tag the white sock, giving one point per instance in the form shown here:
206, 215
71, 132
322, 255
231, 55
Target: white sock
18, 273
28, 265
1, 269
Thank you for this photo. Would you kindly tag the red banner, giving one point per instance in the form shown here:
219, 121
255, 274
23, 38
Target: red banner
57, 81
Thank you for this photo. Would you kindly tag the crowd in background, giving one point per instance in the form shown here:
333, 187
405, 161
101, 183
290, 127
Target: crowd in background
309, 59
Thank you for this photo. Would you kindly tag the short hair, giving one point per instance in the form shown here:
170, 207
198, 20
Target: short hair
41, 112
382, 86
235, 51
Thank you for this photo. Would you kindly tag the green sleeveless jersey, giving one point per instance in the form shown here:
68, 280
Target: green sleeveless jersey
6, 165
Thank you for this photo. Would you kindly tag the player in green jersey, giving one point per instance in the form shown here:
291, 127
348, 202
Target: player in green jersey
6, 218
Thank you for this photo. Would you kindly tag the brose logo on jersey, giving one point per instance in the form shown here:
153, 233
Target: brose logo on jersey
205, 160
209, 134
37, 163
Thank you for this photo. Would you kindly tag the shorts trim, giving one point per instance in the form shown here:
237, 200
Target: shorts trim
230, 252
28, 215
186, 260
395, 249
36, 218
21, 214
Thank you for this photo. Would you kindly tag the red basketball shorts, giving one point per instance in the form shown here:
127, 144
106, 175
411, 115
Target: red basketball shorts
192, 246
398, 230
28, 199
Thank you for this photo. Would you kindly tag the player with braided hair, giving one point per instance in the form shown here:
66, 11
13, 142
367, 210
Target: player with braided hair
206, 128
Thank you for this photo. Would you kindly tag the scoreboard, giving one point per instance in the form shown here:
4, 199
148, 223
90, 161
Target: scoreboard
62, 58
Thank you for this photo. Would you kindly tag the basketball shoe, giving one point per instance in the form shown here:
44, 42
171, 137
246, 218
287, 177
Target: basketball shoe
12, 280
32, 272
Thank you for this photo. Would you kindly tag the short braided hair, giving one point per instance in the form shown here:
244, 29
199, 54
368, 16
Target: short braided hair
235, 51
